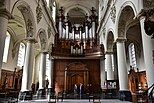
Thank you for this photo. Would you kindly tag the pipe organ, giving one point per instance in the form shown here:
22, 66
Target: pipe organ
76, 38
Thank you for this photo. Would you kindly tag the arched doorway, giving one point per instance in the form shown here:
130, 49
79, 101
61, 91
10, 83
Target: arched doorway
76, 79
76, 73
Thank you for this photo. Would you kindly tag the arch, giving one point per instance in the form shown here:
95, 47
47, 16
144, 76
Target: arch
75, 65
28, 16
75, 6
75, 73
41, 35
124, 5
110, 40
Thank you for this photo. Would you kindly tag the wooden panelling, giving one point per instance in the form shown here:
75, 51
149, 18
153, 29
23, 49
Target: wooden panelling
137, 80
82, 68
10, 80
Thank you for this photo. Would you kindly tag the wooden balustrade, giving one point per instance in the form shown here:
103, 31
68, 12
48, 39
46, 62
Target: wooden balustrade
67, 52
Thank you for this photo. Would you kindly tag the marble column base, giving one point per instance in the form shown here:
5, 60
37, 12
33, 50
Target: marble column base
49, 91
25, 95
125, 95
41, 94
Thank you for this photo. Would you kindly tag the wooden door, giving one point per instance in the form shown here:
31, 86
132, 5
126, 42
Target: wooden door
76, 79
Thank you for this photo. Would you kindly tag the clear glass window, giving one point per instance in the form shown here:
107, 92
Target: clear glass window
21, 55
54, 11
6, 47
47, 65
132, 56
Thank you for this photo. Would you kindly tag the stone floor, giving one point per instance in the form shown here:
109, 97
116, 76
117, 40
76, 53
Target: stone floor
77, 101
68, 101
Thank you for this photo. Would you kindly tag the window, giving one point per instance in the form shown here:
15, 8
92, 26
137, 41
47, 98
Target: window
132, 56
112, 57
21, 55
47, 65
54, 11
6, 47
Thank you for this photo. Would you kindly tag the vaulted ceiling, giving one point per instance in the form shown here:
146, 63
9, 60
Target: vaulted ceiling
77, 9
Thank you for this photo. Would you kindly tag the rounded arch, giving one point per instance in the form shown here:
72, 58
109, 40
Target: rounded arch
110, 41
73, 65
27, 15
13, 37
77, 6
42, 38
123, 6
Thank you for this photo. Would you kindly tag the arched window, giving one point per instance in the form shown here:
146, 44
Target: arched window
132, 56
6, 47
21, 55
54, 11
47, 65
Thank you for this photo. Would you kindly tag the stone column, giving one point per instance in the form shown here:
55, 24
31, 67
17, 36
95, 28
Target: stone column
51, 64
110, 75
122, 71
148, 48
50, 78
4, 16
28, 68
115, 66
42, 72
102, 71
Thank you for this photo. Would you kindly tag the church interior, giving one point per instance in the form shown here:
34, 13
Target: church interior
77, 49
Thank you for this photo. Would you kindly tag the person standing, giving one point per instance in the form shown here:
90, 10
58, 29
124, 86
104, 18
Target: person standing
81, 88
75, 89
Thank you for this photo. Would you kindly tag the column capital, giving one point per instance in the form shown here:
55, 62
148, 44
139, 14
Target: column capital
44, 51
32, 40
120, 39
102, 58
5, 13
109, 52
51, 57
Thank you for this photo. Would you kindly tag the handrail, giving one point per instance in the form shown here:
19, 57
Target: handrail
150, 96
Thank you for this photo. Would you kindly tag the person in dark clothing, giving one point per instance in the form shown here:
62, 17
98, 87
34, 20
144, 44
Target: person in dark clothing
81, 88
37, 86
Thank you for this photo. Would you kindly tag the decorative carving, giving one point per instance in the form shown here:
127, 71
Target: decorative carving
42, 40
149, 21
39, 13
29, 28
113, 13
14, 50
148, 3
104, 32
23, 9
2, 3
49, 32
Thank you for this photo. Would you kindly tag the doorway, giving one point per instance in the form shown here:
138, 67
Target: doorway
76, 73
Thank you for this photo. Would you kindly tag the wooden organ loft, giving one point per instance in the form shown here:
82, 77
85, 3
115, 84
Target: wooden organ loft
77, 54
77, 39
